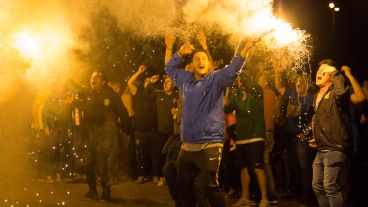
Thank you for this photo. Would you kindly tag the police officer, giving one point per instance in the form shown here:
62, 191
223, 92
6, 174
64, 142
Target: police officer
103, 111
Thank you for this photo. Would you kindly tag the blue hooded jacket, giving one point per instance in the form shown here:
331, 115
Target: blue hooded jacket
202, 116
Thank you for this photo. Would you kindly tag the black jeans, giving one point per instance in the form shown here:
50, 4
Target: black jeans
198, 178
158, 157
144, 151
170, 174
172, 149
300, 160
99, 164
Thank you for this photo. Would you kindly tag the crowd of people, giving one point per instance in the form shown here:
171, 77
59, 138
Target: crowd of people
208, 132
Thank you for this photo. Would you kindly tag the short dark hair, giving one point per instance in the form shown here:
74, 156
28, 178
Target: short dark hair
327, 62
197, 51
102, 74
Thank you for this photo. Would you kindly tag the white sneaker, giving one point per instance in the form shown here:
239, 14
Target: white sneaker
242, 202
49, 179
161, 182
140, 180
58, 177
264, 203
155, 179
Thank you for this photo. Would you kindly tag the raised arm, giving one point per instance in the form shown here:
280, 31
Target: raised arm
251, 43
365, 89
150, 90
278, 83
244, 52
202, 39
131, 85
174, 67
338, 82
169, 42
358, 94
121, 112
227, 75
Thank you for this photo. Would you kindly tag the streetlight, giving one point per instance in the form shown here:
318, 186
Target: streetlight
334, 9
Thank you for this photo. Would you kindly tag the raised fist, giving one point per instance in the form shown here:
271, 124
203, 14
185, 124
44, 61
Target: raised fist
186, 49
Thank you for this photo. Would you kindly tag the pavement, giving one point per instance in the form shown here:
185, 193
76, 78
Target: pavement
28, 192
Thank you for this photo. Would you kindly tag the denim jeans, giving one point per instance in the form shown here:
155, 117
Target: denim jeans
299, 163
269, 143
327, 169
304, 156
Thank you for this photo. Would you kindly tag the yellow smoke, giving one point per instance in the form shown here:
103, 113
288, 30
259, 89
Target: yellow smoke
45, 47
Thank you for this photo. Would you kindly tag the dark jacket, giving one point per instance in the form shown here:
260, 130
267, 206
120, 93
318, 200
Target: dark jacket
332, 128
164, 103
103, 109
145, 109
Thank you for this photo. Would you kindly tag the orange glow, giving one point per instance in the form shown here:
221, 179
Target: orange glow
26, 44
44, 47
263, 21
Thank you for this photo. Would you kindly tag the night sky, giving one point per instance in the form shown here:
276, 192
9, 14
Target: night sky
347, 45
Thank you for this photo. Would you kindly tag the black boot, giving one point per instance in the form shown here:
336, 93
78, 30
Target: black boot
106, 195
92, 192
106, 189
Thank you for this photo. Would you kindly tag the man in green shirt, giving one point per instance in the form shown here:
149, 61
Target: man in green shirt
247, 101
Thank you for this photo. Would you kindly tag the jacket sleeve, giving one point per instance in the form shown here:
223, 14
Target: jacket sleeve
177, 74
150, 91
232, 104
228, 74
122, 113
339, 88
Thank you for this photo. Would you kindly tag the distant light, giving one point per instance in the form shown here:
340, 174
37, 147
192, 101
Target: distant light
331, 5
337, 9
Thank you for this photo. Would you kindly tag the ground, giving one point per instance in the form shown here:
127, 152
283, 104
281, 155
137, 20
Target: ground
31, 193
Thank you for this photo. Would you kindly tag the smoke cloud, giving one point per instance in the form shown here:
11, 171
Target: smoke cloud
38, 40
233, 16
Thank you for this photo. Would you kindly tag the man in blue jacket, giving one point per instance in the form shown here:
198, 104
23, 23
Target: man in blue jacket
202, 129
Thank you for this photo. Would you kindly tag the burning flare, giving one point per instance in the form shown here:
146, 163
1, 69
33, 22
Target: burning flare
26, 44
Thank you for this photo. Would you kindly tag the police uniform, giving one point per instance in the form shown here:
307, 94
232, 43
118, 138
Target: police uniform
103, 110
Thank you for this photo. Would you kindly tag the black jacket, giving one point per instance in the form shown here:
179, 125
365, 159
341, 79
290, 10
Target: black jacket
103, 109
332, 127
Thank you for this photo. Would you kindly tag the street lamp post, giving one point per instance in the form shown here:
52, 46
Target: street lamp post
334, 9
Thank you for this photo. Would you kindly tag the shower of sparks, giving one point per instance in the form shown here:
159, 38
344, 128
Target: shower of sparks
249, 18
263, 20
